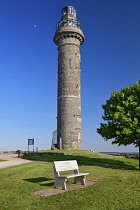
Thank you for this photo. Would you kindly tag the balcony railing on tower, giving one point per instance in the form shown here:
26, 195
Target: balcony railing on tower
68, 22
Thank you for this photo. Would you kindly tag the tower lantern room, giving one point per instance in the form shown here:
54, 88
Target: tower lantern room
68, 18
69, 10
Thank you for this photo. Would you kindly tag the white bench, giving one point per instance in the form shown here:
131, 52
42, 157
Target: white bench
60, 166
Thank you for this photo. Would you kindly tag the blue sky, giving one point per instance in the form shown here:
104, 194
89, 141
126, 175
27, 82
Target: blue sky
28, 67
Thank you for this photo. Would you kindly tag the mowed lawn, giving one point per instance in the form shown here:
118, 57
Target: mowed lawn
117, 187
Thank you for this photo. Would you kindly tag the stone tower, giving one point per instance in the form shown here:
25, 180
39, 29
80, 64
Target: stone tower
69, 37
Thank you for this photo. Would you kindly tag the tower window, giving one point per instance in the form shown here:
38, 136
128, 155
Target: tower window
70, 62
69, 10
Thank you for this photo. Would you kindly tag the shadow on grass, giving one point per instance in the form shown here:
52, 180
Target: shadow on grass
39, 180
89, 160
109, 163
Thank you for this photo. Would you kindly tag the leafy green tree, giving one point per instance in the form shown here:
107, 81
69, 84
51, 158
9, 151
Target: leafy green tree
122, 114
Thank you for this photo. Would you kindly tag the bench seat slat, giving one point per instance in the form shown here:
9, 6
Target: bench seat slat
73, 175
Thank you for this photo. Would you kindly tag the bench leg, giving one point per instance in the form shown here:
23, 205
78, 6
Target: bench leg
64, 185
56, 182
81, 179
61, 182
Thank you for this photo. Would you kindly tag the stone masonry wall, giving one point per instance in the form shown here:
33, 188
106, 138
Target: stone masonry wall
69, 119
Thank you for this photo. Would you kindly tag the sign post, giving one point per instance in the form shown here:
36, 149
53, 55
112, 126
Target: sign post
30, 142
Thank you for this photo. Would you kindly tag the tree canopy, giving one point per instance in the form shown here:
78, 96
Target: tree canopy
122, 114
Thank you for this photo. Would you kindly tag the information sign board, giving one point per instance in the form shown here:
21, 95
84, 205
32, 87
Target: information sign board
30, 141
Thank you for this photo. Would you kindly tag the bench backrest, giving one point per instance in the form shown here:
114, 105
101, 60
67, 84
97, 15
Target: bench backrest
65, 165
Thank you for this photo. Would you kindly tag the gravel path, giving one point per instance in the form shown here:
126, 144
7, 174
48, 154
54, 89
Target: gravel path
11, 160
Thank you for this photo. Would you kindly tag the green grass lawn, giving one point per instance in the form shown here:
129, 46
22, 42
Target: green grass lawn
92, 160
116, 188
69, 151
